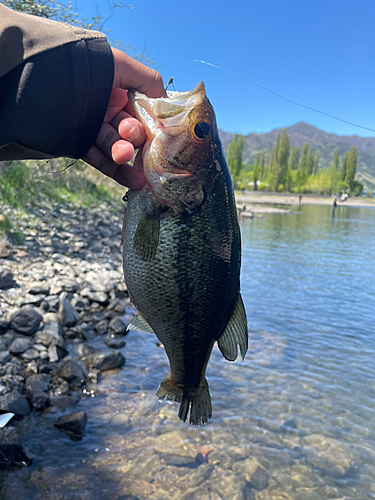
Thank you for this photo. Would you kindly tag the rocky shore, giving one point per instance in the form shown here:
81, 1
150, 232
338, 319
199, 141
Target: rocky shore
59, 291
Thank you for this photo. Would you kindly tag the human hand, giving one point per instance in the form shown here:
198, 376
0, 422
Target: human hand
121, 133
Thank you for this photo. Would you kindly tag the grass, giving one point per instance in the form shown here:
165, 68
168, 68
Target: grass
23, 183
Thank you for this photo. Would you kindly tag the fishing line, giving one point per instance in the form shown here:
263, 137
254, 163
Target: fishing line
281, 96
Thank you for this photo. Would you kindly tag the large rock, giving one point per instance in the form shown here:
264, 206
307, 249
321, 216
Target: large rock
73, 373
69, 285
13, 456
327, 453
52, 333
14, 402
26, 320
40, 289
56, 352
68, 315
6, 278
19, 345
38, 383
105, 361
74, 424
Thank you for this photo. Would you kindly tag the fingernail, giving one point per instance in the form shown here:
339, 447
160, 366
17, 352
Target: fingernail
133, 133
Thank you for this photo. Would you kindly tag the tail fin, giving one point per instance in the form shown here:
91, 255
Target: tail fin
197, 400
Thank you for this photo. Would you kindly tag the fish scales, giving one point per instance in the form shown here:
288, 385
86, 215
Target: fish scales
187, 288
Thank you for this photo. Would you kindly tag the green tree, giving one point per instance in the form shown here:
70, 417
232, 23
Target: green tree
234, 156
283, 158
351, 168
262, 167
273, 169
344, 165
293, 159
316, 165
310, 161
256, 172
335, 170
302, 161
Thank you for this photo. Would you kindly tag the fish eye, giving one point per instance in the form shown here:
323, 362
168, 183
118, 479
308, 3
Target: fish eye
201, 130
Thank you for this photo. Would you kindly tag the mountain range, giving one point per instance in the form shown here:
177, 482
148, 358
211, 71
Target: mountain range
325, 142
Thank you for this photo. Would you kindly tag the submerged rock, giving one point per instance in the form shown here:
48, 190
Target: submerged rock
105, 361
13, 456
327, 453
73, 424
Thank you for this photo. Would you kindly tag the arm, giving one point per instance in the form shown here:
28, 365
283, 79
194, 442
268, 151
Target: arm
63, 93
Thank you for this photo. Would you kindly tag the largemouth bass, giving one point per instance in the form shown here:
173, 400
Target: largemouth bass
182, 246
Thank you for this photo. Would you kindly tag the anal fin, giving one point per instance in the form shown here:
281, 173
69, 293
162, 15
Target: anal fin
235, 333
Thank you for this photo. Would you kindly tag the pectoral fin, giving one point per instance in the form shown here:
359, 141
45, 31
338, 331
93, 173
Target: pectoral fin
146, 236
140, 324
235, 333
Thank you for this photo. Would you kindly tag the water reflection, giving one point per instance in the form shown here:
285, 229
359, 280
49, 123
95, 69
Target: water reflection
295, 421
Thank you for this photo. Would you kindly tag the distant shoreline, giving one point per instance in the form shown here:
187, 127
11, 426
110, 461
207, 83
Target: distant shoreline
255, 198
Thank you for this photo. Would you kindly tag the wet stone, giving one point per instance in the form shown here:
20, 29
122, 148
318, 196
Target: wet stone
114, 343
74, 424
14, 402
12, 457
118, 326
38, 383
259, 480
87, 332
85, 350
101, 327
63, 401
68, 314
59, 386
73, 373
26, 320
39, 400
327, 453
105, 361
3, 389
6, 278
56, 353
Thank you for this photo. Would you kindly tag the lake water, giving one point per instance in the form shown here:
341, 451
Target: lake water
294, 421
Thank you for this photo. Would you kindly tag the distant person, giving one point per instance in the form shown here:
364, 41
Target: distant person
299, 201
334, 206
63, 92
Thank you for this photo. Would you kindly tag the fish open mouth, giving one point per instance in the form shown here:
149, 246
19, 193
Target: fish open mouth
165, 112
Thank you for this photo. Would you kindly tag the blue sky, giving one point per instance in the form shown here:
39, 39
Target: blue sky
320, 53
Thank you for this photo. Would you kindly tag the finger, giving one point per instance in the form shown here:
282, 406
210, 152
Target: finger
109, 141
125, 175
131, 73
132, 130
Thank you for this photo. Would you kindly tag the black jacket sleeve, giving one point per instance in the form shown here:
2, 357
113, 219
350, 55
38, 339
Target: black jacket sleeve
53, 103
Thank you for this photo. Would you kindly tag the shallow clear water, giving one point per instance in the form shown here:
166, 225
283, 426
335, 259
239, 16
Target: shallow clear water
295, 420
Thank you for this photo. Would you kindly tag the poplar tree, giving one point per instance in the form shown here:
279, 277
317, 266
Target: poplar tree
294, 157
351, 167
256, 172
302, 162
262, 168
343, 170
234, 156
335, 164
316, 165
272, 176
310, 161
283, 158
